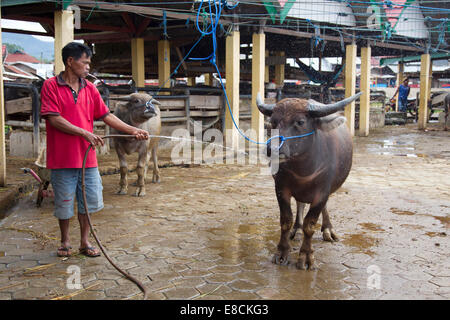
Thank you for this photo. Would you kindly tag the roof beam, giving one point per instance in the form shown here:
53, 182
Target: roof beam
34, 33
300, 34
129, 22
140, 10
143, 26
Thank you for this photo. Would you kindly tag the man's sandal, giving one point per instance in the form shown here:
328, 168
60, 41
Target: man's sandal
89, 252
64, 251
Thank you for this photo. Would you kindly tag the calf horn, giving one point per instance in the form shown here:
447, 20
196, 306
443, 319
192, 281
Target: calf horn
265, 109
316, 109
155, 102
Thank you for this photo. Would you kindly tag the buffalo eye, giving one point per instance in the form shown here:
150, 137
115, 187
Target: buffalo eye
300, 123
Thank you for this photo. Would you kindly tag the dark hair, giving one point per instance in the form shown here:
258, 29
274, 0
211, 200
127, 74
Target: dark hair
75, 50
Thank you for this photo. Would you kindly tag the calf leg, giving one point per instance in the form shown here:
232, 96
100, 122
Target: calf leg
123, 184
298, 219
327, 228
156, 177
306, 256
284, 202
141, 171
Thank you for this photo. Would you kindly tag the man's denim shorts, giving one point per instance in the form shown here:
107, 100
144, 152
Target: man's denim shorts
67, 187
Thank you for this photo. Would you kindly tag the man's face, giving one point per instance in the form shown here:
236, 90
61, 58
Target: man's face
79, 67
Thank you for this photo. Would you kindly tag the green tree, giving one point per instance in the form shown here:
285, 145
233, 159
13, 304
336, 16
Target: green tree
12, 47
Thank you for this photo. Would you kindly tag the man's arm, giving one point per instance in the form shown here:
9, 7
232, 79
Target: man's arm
65, 126
114, 122
395, 92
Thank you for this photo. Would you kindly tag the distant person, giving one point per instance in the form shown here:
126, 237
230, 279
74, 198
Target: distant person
403, 93
70, 105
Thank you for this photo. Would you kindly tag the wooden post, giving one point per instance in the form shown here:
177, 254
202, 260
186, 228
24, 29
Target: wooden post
164, 63
258, 66
209, 79
191, 81
424, 87
2, 121
400, 77
279, 70
350, 85
266, 70
63, 35
232, 74
138, 61
430, 80
364, 105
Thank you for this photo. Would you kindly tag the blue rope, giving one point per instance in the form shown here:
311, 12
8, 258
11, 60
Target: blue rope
211, 29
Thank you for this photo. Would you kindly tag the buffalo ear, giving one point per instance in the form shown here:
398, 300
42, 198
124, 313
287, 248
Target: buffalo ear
330, 122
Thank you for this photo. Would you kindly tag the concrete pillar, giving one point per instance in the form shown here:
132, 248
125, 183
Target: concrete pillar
138, 61
258, 66
364, 106
232, 74
350, 85
424, 90
400, 77
164, 63
279, 70
2, 121
63, 35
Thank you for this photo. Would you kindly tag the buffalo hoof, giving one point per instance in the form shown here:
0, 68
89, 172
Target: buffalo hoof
306, 261
280, 259
156, 179
329, 235
139, 193
122, 191
294, 232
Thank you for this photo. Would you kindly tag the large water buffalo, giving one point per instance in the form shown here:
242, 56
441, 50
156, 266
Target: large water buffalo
311, 167
140, 111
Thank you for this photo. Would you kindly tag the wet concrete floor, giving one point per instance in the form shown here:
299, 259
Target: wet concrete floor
209, 232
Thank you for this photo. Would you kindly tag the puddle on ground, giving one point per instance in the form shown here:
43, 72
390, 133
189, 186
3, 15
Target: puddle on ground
402, 212
362, 242
371, 226
411, 226
436, 234
444, 220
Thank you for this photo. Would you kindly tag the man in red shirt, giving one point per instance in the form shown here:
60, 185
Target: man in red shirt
70, 105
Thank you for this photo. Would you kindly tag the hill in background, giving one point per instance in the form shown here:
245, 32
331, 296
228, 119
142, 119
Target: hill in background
30, 44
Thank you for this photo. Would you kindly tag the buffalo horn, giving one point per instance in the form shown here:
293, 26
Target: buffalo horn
317, 109
265, 109
155, 102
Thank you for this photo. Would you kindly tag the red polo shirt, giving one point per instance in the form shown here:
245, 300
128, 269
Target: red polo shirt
80, 109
